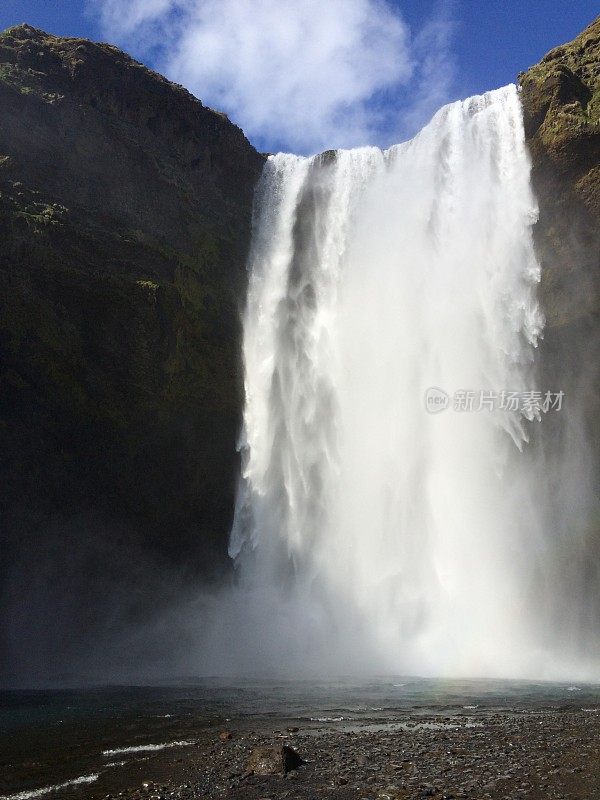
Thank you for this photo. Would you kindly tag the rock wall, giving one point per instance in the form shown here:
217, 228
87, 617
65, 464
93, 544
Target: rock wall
125, 210
561, 103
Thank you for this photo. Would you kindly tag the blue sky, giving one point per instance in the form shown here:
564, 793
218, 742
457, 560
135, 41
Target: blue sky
472, 46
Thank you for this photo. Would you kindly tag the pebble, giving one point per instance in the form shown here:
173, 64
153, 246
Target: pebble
505, 756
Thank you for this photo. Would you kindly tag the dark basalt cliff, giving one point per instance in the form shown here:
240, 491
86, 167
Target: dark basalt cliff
561, 105
125, 210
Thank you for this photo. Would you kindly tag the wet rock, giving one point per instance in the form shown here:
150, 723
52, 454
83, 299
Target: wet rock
273, 761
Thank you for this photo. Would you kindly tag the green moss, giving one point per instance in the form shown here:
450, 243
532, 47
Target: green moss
563, 90
5, 71
25, 81
593, 107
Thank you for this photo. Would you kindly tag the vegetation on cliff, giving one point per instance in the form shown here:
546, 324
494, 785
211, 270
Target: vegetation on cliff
125, 211
561, 102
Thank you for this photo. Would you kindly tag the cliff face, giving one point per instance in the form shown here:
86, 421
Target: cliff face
125, 210
561, 104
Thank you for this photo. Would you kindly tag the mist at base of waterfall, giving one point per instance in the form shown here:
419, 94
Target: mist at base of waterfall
371, 536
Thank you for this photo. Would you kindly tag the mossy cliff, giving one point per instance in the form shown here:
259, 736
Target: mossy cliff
125, 210
561, 104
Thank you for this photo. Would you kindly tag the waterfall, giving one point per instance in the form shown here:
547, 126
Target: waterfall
370, 533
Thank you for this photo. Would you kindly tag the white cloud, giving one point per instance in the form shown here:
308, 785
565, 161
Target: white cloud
434, 72
302, 75
122, 18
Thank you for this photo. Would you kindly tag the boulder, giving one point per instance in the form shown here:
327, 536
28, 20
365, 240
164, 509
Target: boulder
273, 760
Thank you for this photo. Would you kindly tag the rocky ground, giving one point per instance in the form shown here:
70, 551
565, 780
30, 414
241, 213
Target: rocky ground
505, 756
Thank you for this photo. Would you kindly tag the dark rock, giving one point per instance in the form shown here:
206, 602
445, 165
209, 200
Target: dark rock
273, 760
125, 210
561, 107
225, 736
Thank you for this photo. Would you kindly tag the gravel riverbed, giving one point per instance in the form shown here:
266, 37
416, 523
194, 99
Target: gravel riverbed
503, 756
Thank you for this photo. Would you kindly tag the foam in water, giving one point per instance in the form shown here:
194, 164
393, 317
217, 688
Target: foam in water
44, 790
369, 534
144, 748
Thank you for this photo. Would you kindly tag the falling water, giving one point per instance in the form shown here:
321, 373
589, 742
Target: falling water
369, 533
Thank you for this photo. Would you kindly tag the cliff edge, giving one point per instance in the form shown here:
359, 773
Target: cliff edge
125, 210
561, 106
